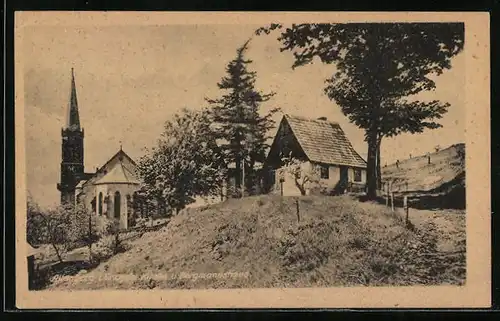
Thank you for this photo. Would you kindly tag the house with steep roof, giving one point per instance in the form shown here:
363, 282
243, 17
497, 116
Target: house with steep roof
321, 146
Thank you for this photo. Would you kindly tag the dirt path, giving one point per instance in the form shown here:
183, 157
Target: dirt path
450, 225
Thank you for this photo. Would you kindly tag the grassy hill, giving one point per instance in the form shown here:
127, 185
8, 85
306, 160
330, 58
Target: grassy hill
440, 183
335, 241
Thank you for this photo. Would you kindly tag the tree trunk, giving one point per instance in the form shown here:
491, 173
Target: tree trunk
300, 187
379, 172
237, 174
371, 168
57, 252
51, 238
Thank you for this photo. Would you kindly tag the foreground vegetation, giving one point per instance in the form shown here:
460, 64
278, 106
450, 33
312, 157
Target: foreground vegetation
334, 241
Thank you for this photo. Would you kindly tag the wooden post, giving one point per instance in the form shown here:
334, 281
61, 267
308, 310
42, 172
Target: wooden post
281, 186
297, 204
405, 206
387, 194
392, 200
243, 179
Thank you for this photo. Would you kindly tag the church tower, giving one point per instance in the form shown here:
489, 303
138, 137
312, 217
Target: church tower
72, 170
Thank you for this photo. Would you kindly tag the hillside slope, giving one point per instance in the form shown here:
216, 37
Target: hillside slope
445, 167
438, 184
337, 242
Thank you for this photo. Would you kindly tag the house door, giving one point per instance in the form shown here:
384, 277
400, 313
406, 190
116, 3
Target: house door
344, 178
117, 204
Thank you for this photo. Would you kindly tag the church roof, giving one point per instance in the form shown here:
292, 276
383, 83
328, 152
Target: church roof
93, 178
120, 174
324, 141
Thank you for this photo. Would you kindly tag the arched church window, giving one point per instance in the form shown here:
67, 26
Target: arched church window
117, 204
100, 204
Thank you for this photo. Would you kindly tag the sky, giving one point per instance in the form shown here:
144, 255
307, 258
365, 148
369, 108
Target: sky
131, 79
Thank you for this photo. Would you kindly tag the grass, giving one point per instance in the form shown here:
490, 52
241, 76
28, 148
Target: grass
335, 241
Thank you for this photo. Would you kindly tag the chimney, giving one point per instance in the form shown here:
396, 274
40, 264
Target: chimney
322, 118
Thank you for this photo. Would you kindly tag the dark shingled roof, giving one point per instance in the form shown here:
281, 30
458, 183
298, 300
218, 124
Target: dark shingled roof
324, 141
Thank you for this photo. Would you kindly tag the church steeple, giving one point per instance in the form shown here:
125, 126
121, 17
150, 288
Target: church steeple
73, 117
72, 170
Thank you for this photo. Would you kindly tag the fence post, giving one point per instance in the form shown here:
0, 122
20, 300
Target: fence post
386, 194
297, 205
392, 200
407, 210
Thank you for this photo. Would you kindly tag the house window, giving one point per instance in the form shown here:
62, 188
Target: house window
324, 171
357, 175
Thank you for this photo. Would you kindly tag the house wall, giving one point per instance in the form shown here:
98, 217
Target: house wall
290, 189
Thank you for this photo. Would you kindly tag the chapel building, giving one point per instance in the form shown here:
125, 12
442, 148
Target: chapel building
112, 189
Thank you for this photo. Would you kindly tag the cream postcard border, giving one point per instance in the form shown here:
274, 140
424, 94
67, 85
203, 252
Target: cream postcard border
476, 292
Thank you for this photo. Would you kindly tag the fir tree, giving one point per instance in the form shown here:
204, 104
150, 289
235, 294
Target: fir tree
239, 124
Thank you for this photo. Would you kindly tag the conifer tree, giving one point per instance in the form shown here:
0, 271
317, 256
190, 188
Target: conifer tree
239, 125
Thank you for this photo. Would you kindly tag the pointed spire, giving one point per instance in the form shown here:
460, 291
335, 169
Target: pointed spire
73, 120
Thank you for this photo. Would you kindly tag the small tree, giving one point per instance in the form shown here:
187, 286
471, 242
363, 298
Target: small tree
65, 227
78, 224
304, 175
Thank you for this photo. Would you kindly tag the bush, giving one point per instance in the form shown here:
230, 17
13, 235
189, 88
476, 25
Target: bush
109, 242
105, 226
107, 246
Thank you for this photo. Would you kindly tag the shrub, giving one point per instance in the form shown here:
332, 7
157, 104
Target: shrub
108, 246
105, 226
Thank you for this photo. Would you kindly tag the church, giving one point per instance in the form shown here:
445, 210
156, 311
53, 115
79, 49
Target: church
112, 189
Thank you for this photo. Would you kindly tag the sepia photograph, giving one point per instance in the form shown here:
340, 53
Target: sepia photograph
237, 155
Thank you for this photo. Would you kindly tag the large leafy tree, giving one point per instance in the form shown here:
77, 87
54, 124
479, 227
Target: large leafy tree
380, 67
239, 123
185, 163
